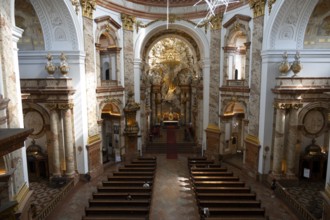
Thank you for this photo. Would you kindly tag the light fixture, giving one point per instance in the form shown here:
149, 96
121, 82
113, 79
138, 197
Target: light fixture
212, 5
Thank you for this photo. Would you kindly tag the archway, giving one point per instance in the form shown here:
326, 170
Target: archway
111, 117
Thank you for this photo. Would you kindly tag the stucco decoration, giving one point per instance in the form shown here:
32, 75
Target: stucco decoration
287, 29
317, 35
52, 16
26, 18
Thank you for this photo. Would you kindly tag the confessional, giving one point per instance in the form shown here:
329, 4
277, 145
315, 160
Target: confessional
313, 163
37, 162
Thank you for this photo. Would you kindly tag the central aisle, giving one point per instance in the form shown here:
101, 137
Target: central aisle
173, 198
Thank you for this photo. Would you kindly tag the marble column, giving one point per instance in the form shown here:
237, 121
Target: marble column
258, 7
215, 45
54, 122
247, 63
278, 142
292, 141
68, 139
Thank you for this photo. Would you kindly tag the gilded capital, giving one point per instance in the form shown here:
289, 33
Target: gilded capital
51, 106
216, 21
128, 22
65, 106
258, 7
88, 6
284, 106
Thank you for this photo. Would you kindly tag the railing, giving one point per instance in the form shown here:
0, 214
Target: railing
294, 204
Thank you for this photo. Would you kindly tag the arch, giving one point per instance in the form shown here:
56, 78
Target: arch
111, 107
196, 35
324, 106
286, 26
54, 14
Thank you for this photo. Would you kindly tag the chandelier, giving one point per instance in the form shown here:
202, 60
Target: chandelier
212, 5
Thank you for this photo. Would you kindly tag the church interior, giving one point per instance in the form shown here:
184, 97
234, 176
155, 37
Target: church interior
164, 109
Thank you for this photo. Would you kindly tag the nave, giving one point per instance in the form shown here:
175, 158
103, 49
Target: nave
172, 197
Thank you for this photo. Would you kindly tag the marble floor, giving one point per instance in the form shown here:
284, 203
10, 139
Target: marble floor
172, 196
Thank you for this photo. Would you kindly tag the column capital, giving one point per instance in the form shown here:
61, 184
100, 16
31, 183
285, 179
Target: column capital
64, 106
128, 22
284, 106
51, 106
216, 22
88, 6
258, 7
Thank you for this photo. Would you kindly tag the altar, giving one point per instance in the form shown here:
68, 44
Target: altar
169, 123
171, 118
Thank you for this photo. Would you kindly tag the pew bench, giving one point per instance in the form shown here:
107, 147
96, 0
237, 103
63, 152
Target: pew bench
137, 161
121, 195
125, 183
136, 169
117, 211
218, 184
230, 203
212, 190
236, 212
208, 169
114, 218
119, 202
237, 218
226, 196
127, 189
200, 162
209, 174
215, 178
140, 165
131, 178
121, 173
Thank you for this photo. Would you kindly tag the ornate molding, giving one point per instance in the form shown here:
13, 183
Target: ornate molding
270, 5
128, 22
65, 106
51, 106
284, 106
258, 7
88, 6
93, 139
216, 21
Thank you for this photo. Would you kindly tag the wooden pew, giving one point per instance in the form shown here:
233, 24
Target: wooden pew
237, 218
132, 173
127, 189
230, 203
117, 211
137, 161
213, 190
118, 202
200, 162
236, 212
226, 196
125, 183
140, 165
215, 178
113, 218
136, 169
131, 178
121, 195
208, 169
209, 174
218, 183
